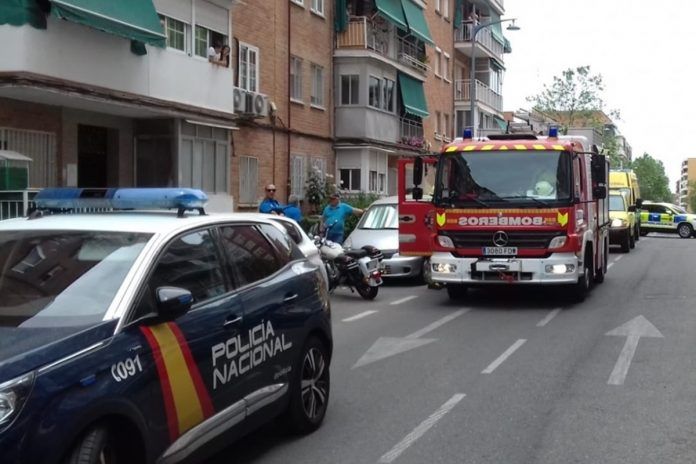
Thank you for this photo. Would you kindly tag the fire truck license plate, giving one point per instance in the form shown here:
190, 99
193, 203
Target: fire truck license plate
499, 251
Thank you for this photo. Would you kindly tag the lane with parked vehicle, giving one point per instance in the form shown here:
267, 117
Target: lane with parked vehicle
510, 375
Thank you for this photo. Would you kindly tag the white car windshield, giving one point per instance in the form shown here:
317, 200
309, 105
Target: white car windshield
380, 217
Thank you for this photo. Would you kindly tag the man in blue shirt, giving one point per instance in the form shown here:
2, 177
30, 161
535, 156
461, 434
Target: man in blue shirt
334, 217
292, 209
269, 204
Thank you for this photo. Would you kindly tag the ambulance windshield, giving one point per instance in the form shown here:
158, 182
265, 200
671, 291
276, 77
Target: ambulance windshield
495, 178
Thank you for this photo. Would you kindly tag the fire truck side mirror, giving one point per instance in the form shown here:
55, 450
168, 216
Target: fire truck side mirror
599, 192
417, 193
417, 171
599, 169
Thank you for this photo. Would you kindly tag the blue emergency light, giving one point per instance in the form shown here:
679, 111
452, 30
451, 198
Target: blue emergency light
553, 131
182, 199
468, 133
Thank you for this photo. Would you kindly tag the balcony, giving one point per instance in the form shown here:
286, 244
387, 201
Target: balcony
411, 133
74, 56
361, 35
484, 95
485, 43
16, 203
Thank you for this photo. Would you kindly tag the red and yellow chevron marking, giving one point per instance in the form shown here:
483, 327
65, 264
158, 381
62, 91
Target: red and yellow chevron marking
478, 146
186, 399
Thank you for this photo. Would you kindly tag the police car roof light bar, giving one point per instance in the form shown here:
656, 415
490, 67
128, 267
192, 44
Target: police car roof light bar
66, 199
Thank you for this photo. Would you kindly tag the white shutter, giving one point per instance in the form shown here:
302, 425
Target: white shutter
248, 175
178, 9
212, 16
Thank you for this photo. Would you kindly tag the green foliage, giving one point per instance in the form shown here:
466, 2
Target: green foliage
576, 94
691, 199
654, 183
318, 187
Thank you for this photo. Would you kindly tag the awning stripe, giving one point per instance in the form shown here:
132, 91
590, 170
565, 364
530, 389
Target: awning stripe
109, 18
393, 11
413, 96
417, 24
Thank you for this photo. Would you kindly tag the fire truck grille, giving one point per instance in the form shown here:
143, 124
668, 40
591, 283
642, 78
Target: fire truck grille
519, 239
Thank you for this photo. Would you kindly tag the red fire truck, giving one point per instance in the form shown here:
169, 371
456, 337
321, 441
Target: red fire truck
508, 209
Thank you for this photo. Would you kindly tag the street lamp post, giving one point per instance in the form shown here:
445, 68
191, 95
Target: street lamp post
472, 72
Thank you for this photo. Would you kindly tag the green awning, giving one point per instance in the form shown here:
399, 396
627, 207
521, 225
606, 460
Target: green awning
458, 13
341, 16
501, 123
133, 19
417, 25
497, 29
21, 12
507, 47
413, 96
391, 9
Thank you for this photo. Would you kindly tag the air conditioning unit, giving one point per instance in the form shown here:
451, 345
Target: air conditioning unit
248, 102
239, 100
260, 105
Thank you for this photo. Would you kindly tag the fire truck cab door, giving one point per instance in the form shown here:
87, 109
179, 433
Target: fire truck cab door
416, 228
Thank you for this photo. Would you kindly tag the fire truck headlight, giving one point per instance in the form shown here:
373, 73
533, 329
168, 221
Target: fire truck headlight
557, 242
446, 268
560, 268
445, 241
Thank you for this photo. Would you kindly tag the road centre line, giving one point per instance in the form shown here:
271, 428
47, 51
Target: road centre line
440, 322
404, 300
548, 317
358, 316
422, 428
494, 365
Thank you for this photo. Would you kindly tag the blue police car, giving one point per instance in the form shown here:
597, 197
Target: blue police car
153, 336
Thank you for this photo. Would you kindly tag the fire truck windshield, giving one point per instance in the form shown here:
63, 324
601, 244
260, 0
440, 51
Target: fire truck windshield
488, 178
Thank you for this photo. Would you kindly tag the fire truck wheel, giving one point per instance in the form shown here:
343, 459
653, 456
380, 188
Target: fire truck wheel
582, 288
601, 271
456, 292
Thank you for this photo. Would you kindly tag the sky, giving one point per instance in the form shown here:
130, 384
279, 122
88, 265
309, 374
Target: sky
644, 50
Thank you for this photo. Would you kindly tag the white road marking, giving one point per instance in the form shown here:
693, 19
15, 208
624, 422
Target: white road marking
358, 316
618, 258
633, 330
422, 428
404, 300
440, 322
494, 365
548, 318
610, 265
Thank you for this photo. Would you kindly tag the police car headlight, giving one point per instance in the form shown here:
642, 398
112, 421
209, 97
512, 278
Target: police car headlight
616, 222
13, 394
557, 242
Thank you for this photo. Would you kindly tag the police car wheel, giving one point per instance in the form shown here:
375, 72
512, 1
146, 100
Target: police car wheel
309, 390
95, 447
685, 230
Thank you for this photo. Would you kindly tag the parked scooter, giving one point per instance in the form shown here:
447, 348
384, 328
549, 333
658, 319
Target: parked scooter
358, 269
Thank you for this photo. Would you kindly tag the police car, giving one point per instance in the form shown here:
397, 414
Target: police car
140, 336
666, 218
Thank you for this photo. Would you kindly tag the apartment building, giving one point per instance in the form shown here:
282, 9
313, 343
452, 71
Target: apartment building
282, 51
685, 183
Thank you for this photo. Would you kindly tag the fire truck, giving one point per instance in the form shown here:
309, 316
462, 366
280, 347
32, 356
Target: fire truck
510, 209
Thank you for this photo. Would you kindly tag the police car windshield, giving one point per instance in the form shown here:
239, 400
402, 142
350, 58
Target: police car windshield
489, 178
616, 203
62, 278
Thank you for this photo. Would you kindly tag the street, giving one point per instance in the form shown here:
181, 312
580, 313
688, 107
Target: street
510, 375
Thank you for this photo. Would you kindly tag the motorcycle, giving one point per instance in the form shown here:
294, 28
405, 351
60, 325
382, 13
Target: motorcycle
358, 269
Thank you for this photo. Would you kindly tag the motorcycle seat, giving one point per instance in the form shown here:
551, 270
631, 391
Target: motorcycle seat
356, 254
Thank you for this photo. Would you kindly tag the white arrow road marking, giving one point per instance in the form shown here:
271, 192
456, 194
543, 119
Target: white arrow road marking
548, 318
385, 347
633, 330
494, 365
359, 316
403, 300
419, 431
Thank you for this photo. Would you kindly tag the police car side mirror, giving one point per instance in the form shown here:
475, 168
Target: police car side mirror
172, 302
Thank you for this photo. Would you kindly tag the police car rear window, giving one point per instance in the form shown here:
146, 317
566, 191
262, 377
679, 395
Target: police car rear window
62, 278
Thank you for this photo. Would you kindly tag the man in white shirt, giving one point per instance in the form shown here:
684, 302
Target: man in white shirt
214, 53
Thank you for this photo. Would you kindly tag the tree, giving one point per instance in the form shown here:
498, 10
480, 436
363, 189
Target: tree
691, 199
575, 95
654, 183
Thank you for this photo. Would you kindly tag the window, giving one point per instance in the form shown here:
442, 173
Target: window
388, 100
350, 88
350, 179
317, 85
190, 262
176, 33
203, 159
285, 247
248, 67
318, 7
298, 2
298, 175
295, 79
373, 181
319, 165
446, 66
248, 180
206, 38
438, 128
445, 8
438, 6
377, 181
438, 62
249, 255
375, 92
446, 127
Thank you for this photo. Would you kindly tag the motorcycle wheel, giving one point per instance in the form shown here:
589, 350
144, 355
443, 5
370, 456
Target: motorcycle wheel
367, 292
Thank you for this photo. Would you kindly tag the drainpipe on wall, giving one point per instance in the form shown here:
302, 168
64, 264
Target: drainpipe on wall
287, 190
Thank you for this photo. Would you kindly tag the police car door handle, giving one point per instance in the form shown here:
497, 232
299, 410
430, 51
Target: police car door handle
290, 298
135, 348
230, 322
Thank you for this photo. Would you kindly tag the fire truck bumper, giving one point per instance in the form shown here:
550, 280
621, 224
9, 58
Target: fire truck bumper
559, 268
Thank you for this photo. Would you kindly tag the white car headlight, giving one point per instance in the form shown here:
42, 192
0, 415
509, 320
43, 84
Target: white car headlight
348, 243
13, 394
616, 222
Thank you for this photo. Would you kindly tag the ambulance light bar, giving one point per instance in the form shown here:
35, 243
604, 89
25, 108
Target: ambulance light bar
182, 199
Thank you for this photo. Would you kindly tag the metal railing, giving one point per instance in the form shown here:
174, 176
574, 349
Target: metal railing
16, 203
484, 94
411, 132
360, 33
484, 37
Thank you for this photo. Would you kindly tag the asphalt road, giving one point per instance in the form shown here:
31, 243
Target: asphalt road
511, 375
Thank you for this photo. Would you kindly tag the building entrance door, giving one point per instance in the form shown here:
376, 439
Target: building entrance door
92, 156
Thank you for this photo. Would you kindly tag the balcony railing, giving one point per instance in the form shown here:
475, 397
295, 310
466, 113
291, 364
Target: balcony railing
16, 203
411, 132
484, 94
484, 37
360, 34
